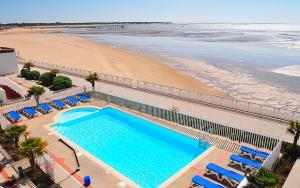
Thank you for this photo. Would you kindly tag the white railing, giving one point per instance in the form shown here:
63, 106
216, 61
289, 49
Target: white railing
227, 103
272, 159
13, 85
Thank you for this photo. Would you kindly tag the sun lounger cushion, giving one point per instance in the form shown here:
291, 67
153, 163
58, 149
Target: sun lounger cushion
45, 107
224, 172
245, 161
254, 152
30, 111
204, 182
72, 99
59, 103
14, 115
83, 96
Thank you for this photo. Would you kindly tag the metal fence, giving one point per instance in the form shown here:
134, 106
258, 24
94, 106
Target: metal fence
227, 103
233, 133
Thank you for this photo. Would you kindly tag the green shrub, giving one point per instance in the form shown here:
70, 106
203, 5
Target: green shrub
61, 82
35, 75
264, 178
47, 78
24, 72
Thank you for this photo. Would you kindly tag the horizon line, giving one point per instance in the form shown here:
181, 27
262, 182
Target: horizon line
141, 22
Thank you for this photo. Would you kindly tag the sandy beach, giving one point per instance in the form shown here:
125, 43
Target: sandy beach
84, 54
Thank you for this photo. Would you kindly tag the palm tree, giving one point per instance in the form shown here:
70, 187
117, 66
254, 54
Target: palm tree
28, 65
55, 72
36, 91
294, 129
31, 148
92, 78
14, 132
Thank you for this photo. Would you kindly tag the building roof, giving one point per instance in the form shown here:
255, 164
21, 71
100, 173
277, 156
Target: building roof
6, 50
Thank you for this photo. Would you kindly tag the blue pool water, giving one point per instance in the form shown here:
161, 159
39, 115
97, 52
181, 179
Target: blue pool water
75, 113
142, 151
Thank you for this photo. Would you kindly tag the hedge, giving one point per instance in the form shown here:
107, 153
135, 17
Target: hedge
61, 82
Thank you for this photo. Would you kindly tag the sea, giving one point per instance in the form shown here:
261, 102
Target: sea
253, 62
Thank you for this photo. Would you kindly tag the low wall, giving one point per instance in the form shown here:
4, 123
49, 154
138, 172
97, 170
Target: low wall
293, 180
272, 159
57, 173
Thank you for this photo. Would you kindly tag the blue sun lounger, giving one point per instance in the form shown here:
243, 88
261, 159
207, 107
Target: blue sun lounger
222, 174
59, 104
83, 98
202, 182
244, 163
44, 108
72, 101
29, 112
253, 153
14, 116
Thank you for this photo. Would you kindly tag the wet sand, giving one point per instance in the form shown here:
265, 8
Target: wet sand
293, 70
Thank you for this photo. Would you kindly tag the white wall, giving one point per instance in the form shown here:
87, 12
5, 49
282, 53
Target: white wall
2, 96
8, 63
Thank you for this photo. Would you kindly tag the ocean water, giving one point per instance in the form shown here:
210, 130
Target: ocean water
237, 58
142, 151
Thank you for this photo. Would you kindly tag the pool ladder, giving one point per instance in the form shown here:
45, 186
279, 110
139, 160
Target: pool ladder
203, 143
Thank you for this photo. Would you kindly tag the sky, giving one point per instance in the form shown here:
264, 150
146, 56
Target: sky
179, 11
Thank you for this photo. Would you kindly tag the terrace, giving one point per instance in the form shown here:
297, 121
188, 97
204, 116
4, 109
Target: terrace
222, 146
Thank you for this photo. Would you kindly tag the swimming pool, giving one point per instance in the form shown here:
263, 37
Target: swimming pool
142, 151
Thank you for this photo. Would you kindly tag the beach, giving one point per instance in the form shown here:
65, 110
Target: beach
82, 53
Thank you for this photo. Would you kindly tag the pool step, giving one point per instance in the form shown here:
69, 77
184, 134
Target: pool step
61, 130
